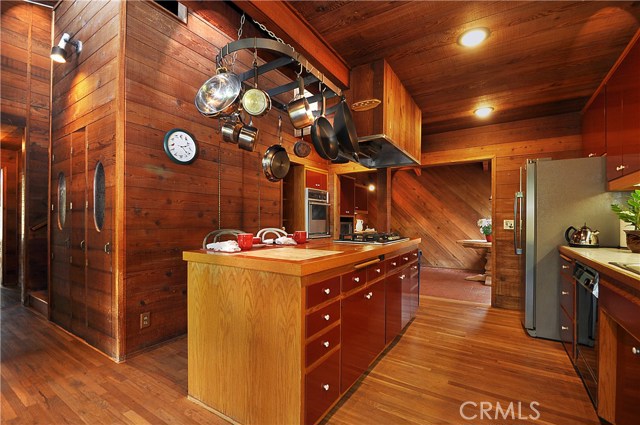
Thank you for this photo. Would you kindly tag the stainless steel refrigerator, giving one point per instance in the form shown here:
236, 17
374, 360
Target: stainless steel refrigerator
559, 194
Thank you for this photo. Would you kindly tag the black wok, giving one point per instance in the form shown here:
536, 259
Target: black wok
324, 137
345, 128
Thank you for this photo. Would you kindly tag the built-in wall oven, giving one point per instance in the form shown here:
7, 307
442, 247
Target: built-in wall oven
317, 213
587, 328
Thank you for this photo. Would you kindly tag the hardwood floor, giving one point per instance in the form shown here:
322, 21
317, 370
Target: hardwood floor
453, 352
451, 284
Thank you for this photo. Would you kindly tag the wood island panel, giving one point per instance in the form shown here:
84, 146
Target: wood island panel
245, 327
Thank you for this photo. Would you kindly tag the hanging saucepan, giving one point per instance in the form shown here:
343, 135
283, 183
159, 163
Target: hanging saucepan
302, 149
345, 128
247, 136
256, 102
299, 110
219, 94
275, 162
324, 137
231, 129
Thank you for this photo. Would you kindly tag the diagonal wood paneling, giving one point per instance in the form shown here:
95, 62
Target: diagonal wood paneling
440, 206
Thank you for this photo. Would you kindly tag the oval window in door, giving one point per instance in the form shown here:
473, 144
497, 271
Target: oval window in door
98, 196
62, 200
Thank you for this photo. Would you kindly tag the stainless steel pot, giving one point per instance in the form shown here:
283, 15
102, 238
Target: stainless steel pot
219, 95
585, 237
299, 110
275, 162
230, 130
256, 102
247, 136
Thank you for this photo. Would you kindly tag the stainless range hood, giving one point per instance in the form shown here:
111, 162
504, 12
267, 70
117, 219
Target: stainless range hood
379, 151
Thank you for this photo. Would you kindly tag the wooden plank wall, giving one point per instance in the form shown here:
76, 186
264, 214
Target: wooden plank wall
443, 205
84, 102
511, 144
9, 249
171, 207
24, 88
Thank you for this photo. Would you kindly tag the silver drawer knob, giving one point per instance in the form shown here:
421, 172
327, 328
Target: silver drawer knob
415, 267
635, 351
620, 167
394, 263
565, 293
327, 291
415, 254
564, 328
356, 279
377, 270
405, 258
564, 267
369, 295
325, 387
326, 344
402, 276
326, 317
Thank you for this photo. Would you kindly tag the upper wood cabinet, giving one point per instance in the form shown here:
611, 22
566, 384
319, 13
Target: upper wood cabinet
315, 180
347, 188
594, 142
360, 199
623, 116
398, 117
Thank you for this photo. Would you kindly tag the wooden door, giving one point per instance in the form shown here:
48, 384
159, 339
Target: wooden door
593, 127
627, 378
347, 187
78, 207
60, 287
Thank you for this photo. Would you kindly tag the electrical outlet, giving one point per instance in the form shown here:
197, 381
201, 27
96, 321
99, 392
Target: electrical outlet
145, 320
508, 225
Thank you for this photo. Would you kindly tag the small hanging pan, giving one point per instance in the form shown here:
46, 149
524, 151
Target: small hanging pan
324, 137
275, 162
302, 149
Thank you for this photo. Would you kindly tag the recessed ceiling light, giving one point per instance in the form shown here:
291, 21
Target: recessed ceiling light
473, 37
483, 112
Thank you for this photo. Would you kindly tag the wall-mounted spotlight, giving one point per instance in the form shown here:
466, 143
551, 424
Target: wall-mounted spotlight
59, 54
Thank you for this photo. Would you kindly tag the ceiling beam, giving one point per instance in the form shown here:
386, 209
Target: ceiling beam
286, 22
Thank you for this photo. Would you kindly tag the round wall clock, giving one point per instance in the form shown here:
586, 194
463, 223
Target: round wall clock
180, 146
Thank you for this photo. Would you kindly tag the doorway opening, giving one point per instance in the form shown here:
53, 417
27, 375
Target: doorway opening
444, 205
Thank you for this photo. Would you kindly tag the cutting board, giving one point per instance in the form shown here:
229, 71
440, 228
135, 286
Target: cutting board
291, 254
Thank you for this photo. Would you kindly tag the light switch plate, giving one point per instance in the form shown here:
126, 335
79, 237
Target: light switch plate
508, 224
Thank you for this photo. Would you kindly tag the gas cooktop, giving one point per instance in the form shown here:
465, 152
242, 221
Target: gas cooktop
371, 238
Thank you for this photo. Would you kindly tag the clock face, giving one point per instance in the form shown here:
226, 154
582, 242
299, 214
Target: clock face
180, 146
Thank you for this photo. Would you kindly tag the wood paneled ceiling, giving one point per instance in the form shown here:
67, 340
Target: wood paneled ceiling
542, 57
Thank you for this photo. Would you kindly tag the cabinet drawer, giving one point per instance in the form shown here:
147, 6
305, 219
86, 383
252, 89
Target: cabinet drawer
353, 279
392, 264
322, 388
567, 295
374, 271
322, 318
566, 335
566, 267
405, 258
321, 345
322, 291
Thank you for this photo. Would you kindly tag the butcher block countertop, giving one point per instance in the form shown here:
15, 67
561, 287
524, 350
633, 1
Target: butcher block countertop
299, 260
599, 259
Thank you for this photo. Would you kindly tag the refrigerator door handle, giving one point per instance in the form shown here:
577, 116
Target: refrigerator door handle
517, 213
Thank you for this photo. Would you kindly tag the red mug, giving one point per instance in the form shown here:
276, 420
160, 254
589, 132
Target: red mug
245, 241
300, 236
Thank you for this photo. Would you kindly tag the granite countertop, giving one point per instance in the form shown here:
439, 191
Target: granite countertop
599, 259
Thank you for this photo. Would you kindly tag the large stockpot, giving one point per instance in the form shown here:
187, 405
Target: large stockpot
299, 110
219, 95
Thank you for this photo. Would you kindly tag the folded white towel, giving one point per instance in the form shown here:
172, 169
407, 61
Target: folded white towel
284, 240
226, 246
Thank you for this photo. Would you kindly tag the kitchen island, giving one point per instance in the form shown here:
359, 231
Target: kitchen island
279, 334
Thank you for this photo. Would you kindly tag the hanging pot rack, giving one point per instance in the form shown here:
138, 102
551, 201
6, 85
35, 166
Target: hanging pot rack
289, 56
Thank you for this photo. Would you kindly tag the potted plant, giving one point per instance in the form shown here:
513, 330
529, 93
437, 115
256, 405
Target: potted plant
485, 227
632, 216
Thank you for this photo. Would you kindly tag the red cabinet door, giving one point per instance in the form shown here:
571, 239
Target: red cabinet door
627, 379
393, 306
315, 180
347, 188
360, 199
363, 329
623, 117
322, 388
593, 127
